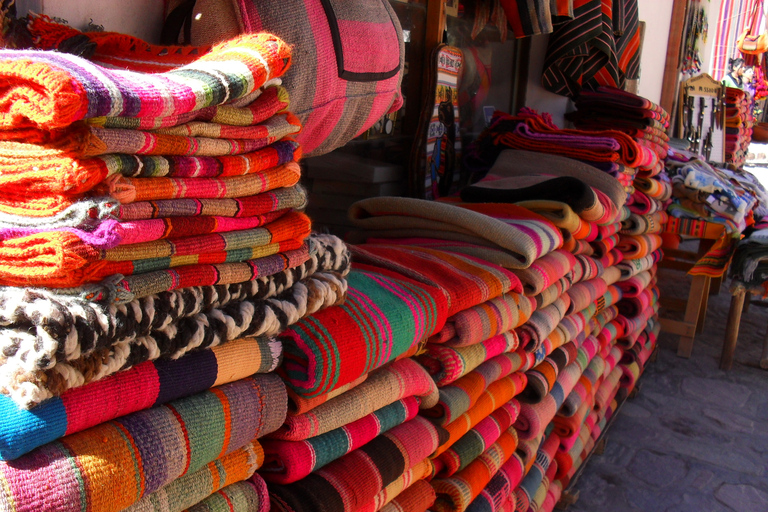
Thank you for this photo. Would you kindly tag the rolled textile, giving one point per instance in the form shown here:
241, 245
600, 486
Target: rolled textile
497, 394
457, 398
397, 380
381, 319
419, 473
567, 189
552, 292
630, 372
568, 427
607, 390
583, 388
534, 418
530, 163
247, 496
587, 267
467, 281
204, 330
525, 492
541, 324
540, 496
495, 495
542, 377
561, 215
472, 444
584, 293
554, 493
638, 246
145, 385
53, 90
41, 324
126, 459
457, 492
631, 267
635, 285
568, 461
448, 364
545, 271
355, 479
524, 235
419, 497
290, 461
299, 405
485, 320
193, 488
640, 224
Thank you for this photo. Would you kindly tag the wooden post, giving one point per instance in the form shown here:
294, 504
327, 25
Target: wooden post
672, 62
435, 27
692, 312
703, 307
732, 329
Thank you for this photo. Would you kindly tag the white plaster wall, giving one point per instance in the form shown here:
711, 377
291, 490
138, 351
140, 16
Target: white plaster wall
140, 18
657, 15
537, 97
713, 13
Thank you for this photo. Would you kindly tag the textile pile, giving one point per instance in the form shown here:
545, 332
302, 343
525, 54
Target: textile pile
152, 247
738, 125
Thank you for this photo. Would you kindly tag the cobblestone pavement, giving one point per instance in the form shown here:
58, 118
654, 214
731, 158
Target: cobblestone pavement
695, 438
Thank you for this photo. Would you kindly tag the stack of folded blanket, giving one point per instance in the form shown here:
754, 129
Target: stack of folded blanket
738, 125
152, 246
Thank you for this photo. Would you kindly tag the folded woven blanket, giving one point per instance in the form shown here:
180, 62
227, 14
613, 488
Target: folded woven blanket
632, 267
454, 494
356, 478
290, 461
447, 364
418, 497
545, 271
146, 385
252, 317
194, 488
384, 317
534, 418
467, 281
392, 495
472, 444
457, 398
582, 391
528, 487
542, 322
522, 234
51, 90
585, 293
552, 292
98, 315
299, 405
497, 394
248, 496
397, 380
485, 320
262, 104
152, 447
528, 163
494, 497
542, 377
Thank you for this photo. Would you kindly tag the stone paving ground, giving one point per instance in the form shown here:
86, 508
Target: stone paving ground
695, 438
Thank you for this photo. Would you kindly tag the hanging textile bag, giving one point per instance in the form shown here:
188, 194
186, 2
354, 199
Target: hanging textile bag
751, 44
348, 57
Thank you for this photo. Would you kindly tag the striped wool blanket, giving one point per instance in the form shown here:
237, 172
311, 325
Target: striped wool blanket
290, 461
542, 377
421, 472
545, 271
500, 489
457, 398
534, 418
204, 330
638, 246
355, 479
472, 444
551, 293
248, 496
530, 484
126, 459
497, 394
383, 318
454, 494
418, 497
51, 90
586, 292
52, 319
485, 320
448, 364
467, 281
395, 381
146, 385
583, 389
194, 488
541, 324
523, 235
299, 405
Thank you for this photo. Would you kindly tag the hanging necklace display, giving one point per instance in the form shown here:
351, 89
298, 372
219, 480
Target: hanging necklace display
701, 117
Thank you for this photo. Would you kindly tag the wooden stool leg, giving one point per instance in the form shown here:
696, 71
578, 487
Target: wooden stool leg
703, 307
764, 356
714, 288
732, 330
747, 302
692, 311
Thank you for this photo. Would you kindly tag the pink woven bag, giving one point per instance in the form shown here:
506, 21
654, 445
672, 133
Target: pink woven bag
348, 57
